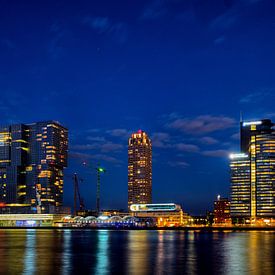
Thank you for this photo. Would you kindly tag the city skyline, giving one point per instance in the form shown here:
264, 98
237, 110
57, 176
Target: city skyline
180, 71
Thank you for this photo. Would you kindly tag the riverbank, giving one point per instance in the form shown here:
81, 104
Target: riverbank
190, 228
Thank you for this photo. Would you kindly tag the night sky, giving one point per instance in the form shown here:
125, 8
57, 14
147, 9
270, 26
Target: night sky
180, 70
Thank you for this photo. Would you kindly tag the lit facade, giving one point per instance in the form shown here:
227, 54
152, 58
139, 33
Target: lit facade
222, 211
139, 169
32, 159
253, 173
165, 214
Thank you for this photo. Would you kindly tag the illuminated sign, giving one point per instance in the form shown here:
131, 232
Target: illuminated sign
237, 156
153, 207
252, 123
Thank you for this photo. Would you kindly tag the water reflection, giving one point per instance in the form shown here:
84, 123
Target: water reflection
135, 252
138, 252
30, 250
102, 259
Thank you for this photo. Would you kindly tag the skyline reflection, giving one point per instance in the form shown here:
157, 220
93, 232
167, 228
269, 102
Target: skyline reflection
135, 252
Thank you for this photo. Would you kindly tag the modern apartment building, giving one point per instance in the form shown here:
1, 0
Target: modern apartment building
139, 169
32, 160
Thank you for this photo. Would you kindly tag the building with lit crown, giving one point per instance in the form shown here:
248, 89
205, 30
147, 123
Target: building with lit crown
32, 160
253, 174
139, 169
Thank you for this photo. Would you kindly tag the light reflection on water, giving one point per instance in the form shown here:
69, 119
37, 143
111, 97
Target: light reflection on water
135, 252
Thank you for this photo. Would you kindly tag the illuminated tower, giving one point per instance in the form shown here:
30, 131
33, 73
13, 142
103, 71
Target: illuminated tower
32, 160
254, 168
139, 169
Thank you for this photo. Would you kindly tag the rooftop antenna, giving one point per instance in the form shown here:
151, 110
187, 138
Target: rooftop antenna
241, 116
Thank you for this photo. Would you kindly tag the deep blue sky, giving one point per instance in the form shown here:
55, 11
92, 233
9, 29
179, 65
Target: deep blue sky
180, 70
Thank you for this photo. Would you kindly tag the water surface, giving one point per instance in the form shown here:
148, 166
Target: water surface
67, 251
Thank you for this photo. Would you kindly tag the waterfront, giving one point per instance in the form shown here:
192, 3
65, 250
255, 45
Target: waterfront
67, 251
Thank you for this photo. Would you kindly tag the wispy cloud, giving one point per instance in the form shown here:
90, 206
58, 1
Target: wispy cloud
103, 147
154, 10
56, 45
208, 140
236, 136
104, 25
161, 140
216, 153
119, 132
257, 96
84, 157
202, 124
192, 148
181, 164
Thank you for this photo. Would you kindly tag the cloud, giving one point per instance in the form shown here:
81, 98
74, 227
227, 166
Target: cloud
216, 153
209, 140
97, 138
100, 24
103, 147
103, 25
123, 133
181, 164
154, 10
219, 40
236, 136
56, 45
202, 124
85, 157
187, 147
258, 96
225, 20
160, 140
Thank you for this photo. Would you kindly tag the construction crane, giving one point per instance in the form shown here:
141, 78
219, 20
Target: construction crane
99, 170
77, 194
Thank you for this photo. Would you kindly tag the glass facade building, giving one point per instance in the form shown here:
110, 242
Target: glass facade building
139, 169
253, 172
32, 160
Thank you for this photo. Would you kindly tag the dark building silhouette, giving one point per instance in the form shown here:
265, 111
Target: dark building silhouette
32, 159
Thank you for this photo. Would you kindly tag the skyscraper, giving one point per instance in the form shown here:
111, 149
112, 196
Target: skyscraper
32, 159
139, 169
253, 173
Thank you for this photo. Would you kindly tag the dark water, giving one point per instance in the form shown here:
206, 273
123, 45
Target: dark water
136, 252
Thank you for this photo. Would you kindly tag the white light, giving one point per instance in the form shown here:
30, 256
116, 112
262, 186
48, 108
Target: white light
103, 218
252, 123
236, 156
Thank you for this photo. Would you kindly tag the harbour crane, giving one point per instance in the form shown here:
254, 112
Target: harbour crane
99, 170
77, 194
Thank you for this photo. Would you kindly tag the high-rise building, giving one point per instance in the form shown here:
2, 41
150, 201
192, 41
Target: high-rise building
222, 211
32, 160
139, 169
253, 173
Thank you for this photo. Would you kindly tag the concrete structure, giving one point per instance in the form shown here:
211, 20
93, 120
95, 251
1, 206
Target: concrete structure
32, 159
139, 169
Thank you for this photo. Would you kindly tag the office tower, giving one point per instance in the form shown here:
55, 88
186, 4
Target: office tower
253, 173
32, 160
253, 128
139, 169
222, 211
240, 186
